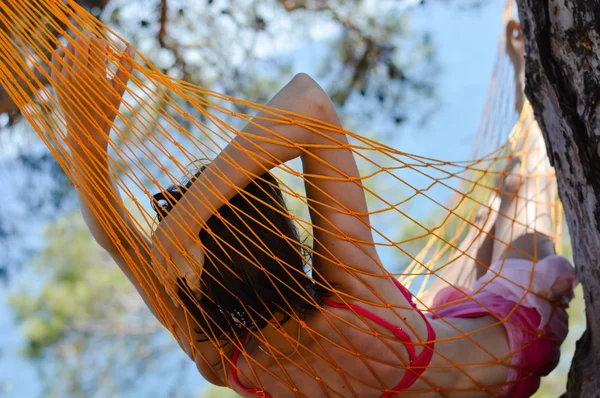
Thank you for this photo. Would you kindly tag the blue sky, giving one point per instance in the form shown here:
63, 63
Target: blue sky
466, 43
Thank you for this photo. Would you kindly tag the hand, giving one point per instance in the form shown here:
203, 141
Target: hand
177, 253
88, 98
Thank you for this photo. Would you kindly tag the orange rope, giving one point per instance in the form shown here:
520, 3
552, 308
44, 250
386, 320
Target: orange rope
149, 133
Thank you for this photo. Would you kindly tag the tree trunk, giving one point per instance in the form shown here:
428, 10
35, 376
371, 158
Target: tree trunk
563, 85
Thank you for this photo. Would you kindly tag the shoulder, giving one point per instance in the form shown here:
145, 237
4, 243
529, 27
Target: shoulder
215, 373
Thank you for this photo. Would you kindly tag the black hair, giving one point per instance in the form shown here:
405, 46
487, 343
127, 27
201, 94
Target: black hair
255, 265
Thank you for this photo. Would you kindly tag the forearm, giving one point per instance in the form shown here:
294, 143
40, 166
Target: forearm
243, 160
100, 201
260, 147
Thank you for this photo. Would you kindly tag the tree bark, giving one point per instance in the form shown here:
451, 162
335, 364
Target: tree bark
563, 85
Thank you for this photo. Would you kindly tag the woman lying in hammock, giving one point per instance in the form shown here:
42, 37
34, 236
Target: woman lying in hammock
245, 309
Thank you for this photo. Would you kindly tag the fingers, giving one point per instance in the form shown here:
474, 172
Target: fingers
97, 57
178, 264
67, 60
165, 270
188, 266
84, 56
57, 67
87, 55
168, 272
193, 267
123, 74
81, 56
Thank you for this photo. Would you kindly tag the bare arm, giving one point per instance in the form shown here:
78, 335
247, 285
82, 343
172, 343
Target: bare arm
262, 145
90, 103
105, 216
334, 197
89, 118
345, 253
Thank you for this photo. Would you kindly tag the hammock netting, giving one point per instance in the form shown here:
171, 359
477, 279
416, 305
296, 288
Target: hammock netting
164, 130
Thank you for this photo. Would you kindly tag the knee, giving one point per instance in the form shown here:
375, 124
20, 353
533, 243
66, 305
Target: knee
531, 246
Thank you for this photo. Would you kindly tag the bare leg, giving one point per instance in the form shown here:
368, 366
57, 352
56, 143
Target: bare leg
524, 219
478, 246
475, 252
522, 230
524, 225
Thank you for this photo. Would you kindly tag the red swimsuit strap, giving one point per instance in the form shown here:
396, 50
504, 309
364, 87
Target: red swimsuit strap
416, 367
234, 373
397, 330
423, 360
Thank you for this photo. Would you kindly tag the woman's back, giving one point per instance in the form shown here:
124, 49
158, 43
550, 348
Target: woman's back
347, 349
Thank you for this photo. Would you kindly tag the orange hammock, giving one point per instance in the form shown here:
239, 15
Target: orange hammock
149, 140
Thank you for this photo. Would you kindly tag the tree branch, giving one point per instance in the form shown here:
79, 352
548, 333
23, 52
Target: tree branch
362, 63
172, 46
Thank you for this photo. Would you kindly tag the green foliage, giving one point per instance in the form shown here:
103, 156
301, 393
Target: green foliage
80, 319
218, 392
80, 281
84, 324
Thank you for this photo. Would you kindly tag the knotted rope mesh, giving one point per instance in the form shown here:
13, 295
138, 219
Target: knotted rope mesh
445, 209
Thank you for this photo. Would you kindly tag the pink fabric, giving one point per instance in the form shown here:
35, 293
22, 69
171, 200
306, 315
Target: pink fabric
526, 303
